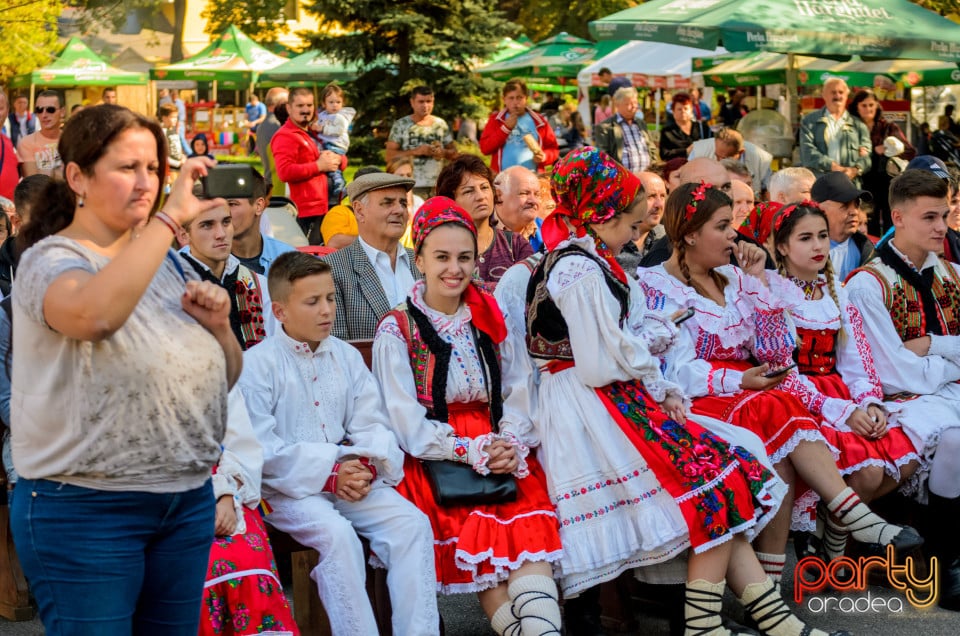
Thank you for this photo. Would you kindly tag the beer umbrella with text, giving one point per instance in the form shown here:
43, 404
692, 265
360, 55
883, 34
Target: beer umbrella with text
887, 29
557, 58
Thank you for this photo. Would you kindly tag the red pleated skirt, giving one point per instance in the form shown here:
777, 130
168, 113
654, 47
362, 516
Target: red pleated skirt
476, 547
778, 418
891, 451
243, 594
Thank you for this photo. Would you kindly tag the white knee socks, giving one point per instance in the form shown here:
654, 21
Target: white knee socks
772, 565
504, 623
765, 605
702, 605
534, 601
834, 539
861, 522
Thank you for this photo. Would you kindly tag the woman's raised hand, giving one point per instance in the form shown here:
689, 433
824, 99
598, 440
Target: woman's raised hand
182, 205
752, 259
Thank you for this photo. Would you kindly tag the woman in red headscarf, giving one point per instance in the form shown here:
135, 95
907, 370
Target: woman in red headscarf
635, 482
457, 387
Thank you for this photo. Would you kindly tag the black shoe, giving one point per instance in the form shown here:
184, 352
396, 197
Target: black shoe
582, 625
950, 585
906, 540
807, 544
581, 615
749, 628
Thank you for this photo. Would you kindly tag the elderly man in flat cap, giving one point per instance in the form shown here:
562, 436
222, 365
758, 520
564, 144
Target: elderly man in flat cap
374, 273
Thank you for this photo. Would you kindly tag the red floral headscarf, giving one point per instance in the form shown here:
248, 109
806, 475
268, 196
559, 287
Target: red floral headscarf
591, 188
438, 211
434, 213
759, 223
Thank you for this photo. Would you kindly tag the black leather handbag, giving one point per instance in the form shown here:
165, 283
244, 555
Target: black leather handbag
456, 484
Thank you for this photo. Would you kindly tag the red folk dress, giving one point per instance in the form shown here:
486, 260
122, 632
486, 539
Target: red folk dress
719, 343
476, 546
243, 594
838, 376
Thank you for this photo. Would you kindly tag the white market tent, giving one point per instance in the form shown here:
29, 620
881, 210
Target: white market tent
653, 65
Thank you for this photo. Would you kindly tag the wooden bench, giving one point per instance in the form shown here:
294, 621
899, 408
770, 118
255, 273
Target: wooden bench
14, 593
308, 611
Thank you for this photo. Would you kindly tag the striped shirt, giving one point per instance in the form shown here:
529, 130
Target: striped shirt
636, 155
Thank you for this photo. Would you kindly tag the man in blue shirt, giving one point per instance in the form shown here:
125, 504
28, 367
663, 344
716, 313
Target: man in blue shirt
840, 201
256, 114
254, 249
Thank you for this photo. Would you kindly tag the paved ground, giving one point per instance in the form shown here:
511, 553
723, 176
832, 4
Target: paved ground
463, 617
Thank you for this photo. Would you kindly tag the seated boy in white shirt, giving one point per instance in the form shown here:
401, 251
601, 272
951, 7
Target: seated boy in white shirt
329, 460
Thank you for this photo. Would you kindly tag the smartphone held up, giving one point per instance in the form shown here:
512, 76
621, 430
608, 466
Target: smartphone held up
228, 181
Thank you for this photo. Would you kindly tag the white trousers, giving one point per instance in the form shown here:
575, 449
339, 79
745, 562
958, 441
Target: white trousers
399, 535
931, 423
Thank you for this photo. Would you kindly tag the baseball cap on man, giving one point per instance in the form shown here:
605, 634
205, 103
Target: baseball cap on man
930, 164
377, 181
836, 186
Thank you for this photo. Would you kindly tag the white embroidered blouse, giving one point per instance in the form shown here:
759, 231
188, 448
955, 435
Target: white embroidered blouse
311, 409
426, 438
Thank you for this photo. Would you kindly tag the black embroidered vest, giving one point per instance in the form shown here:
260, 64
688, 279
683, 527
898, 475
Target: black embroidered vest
548, 335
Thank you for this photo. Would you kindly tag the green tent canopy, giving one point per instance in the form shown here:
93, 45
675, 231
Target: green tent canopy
309, 69
508, 47
559, 57
869, 28
910, 72
232, 57
78, 65
761, 68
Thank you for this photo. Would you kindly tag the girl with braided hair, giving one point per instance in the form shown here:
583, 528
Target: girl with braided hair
837, 379
724, 356
458, 388
635, 482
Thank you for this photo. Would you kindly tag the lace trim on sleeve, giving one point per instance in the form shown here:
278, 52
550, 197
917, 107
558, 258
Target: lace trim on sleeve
522, 451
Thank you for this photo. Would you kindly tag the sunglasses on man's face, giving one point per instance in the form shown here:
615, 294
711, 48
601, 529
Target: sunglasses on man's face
45, 109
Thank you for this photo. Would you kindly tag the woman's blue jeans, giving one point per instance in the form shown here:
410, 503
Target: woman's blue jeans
104, 563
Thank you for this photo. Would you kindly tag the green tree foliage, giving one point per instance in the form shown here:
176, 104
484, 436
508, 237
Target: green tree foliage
260, 19
543, 18
28, 30
943, 7
404, 43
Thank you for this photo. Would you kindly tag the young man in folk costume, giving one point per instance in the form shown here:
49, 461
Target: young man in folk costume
910, 301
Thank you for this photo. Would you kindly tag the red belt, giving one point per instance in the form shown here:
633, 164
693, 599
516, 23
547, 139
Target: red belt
556, 366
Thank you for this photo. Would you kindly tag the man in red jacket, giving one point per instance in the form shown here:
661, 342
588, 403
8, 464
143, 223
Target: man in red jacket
302, 165
517, 136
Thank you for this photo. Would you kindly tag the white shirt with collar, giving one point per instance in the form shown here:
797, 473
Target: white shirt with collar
304, 403
899, 369
397, 281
